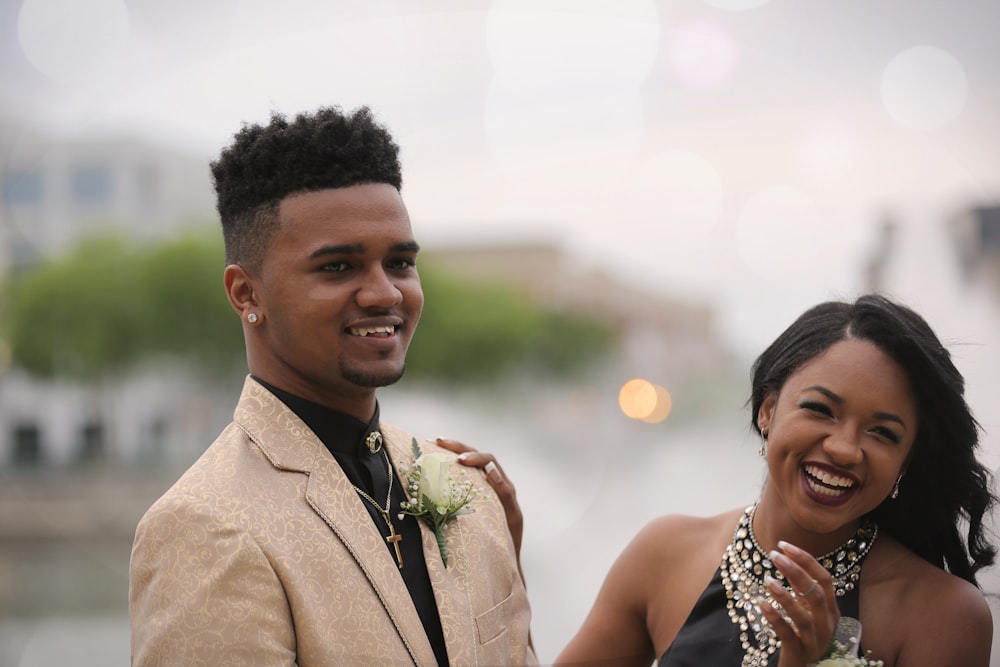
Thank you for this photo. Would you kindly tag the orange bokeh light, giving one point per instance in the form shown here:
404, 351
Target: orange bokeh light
641, 399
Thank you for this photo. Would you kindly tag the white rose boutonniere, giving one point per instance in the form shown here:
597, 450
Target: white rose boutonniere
435, 496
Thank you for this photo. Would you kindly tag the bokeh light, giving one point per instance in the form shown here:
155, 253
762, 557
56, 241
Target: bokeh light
641, 399
702, 54
566, 87
827, 151
681, 192
74, 40
924, 88
779, 233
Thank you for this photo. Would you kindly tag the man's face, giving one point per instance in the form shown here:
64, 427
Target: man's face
338, 296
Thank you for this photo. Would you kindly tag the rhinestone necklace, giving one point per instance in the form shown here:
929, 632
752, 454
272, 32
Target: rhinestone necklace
745, 565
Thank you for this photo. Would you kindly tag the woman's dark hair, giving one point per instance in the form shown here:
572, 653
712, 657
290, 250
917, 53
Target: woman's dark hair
316, 151
944, 483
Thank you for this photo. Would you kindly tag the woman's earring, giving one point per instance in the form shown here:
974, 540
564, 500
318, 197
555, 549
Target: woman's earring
895, 488
252, 318
763, 445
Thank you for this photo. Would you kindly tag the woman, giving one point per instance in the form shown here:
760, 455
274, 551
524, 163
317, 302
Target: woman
870, 449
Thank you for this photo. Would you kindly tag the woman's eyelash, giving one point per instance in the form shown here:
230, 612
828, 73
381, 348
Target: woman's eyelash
815, 407
886, 433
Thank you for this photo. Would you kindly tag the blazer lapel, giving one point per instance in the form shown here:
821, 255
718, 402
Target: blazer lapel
290, 445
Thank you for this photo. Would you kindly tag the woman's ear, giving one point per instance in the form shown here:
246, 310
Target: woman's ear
765, 413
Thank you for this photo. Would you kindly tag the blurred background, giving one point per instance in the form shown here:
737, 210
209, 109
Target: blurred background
606, 192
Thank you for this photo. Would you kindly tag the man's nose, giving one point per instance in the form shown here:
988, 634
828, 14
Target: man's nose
378, 290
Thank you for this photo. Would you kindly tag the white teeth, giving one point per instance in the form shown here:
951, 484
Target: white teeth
373, 331
829, 480
825, 491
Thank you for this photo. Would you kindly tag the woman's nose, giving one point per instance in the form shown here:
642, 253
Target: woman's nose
843, 447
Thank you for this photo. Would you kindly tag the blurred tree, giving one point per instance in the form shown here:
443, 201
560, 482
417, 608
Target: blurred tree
107, 305
76, 315
184, 309
477, 331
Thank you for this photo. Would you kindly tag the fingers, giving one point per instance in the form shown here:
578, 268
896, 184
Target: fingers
810, 608
454, 445
475, 459
808, 578
497, 479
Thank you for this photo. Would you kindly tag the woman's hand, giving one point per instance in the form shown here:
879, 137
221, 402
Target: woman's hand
811, 609
498, 480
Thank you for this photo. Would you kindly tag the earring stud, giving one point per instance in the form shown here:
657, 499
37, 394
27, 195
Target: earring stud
252, 318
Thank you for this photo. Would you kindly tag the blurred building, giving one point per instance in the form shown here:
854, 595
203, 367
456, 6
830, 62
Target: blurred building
663, 338
977, 240
55, 192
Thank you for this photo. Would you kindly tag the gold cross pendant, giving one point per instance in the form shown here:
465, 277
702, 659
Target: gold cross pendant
394, 538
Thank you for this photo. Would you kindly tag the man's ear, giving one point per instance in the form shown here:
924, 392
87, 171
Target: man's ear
242, 292
765, 413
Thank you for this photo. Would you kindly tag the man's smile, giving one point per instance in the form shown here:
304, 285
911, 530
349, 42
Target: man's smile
383, 331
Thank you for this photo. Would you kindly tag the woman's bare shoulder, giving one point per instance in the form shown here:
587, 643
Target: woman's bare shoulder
683, 534
918, 579
653, 574
932, 616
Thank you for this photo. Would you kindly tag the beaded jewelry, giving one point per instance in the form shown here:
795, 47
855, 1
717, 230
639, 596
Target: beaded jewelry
745, 565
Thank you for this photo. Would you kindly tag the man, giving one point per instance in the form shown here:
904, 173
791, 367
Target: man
284, 544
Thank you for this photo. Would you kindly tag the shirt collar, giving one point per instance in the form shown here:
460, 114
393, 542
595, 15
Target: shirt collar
340, 432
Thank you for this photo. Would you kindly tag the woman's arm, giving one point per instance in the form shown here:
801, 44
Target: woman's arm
615, 631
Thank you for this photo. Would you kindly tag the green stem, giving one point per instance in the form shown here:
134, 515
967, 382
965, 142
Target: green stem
440, 538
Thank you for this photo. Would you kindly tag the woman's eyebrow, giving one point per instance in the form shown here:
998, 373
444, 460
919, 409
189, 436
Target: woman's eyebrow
887, 416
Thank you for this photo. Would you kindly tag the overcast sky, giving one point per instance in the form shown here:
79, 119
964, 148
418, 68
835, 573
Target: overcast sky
742, 151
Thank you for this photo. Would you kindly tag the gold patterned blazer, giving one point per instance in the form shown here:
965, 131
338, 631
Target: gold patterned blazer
262, 554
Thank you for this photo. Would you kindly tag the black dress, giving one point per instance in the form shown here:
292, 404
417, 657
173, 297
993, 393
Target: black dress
709, 638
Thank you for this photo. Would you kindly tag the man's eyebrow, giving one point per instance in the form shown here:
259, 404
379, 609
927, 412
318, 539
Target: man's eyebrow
407, 246
345, 249
358, 248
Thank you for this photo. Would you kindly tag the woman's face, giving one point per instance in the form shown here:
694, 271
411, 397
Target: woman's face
840, 431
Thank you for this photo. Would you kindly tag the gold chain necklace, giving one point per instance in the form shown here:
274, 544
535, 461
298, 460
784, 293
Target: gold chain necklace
745, 565
393, 537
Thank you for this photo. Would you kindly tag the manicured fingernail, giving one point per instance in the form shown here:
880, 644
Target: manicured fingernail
778, 557
463, 456
788, 547
492, 472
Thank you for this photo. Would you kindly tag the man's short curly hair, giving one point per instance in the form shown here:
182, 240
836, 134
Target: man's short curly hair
315, 151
